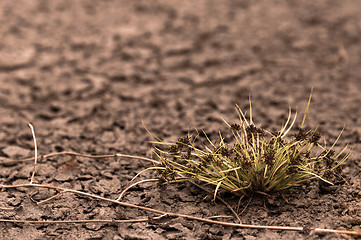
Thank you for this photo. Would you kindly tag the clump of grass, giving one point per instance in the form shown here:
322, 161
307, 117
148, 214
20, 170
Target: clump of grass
256, 161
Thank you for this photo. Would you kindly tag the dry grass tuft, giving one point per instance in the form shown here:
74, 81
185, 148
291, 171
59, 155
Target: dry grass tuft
257, 161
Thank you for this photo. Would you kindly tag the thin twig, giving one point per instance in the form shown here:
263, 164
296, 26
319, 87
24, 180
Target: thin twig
244, 209
317, 230
50, 198
239, 203
220, 216
117, 155
220, 199
133, 185
36, 153
192, 182
284, 198
137, 157
83, 221
62, 190
7, 208
320, 230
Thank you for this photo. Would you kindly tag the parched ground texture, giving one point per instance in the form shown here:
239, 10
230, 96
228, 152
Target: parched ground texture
87, 73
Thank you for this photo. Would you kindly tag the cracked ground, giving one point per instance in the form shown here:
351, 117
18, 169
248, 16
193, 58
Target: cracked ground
86, 74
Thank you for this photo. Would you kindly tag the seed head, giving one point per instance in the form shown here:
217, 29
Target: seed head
253, 130
235, 126
315, 137
301, 135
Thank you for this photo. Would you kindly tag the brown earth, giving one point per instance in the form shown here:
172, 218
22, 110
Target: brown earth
86, 74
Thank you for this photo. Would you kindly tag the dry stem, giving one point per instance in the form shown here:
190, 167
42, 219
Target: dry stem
133, 185
170, 214
36, 153
124, 204
84, 221
61, 190
117, 155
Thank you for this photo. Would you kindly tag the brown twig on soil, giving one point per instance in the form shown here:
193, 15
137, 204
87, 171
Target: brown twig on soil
84, 220
48, 199
36, 153
320, 230
239, 203
124, 204
117, 155
133, 185
245, 207
61, 190
220, 199
163, 213
181, 176
108, 156
170, 214
8, 208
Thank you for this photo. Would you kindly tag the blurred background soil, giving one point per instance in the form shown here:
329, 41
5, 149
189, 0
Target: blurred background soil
87, 73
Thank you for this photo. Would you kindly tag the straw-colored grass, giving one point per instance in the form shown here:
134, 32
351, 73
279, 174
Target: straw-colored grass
257, 161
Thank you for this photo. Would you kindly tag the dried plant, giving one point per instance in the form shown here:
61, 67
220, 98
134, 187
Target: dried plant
257, 161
